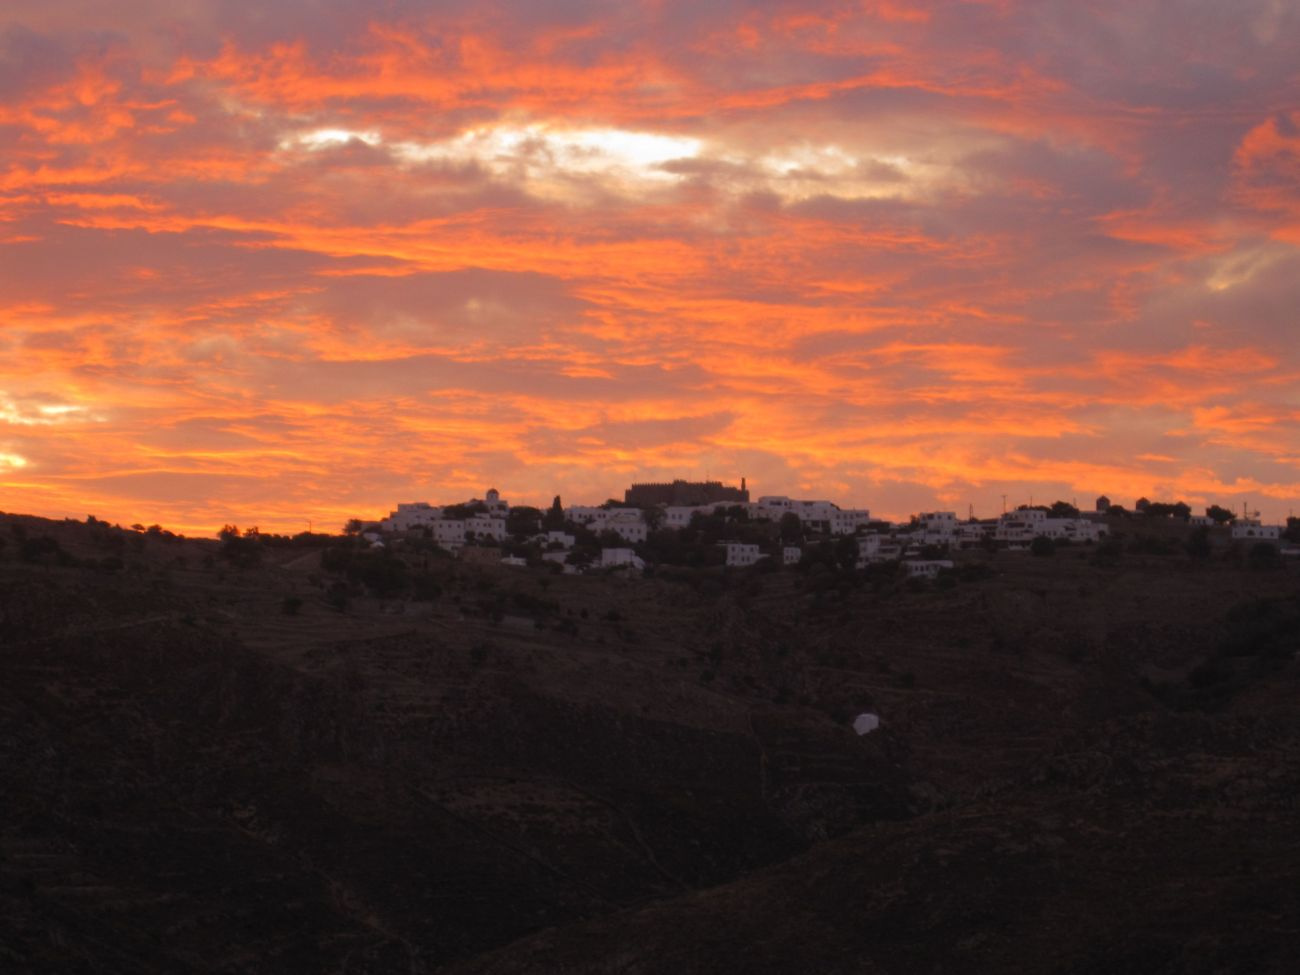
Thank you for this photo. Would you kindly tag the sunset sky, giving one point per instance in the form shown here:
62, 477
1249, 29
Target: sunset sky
270, 262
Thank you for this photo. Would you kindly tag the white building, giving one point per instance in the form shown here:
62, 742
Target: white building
886, 549
937, 527
421, 514
587, 514
1020, 527
1251, 529
679, 516
564, 540
408, 516
792, 555
869, 549
822, 516
613, 558
629, 531
496, 505
486, 526
971, 534
847, 521
449, 533
742, 553
925, 568
599, 519
1076, 529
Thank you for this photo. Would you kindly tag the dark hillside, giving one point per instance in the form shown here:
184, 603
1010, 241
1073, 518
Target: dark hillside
230, 758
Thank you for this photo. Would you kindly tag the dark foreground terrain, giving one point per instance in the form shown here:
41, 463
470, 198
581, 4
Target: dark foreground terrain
214, 763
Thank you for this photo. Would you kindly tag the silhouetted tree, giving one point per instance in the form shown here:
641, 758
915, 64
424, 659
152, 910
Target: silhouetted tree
554, 519
243, 551
523, 521
1042, 546
791, 529
846, 553
1220, 515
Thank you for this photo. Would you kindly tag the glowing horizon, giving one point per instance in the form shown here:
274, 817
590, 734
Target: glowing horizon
272, 265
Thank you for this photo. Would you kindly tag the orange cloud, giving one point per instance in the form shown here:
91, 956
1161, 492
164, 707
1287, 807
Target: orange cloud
302, 269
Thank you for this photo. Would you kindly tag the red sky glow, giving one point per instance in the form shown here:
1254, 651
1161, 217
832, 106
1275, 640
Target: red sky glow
266, 263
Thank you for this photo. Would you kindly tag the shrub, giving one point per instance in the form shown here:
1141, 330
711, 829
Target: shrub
1108, 553
337, 596
42, 548
1263, 555
1198, 543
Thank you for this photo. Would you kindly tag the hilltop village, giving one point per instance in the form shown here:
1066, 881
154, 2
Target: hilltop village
709, 523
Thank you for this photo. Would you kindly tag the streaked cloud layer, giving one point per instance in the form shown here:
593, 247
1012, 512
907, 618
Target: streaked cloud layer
267, 263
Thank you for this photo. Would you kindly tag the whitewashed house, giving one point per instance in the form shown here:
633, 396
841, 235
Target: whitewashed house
1021, 527
614, 558
821, 516
590, 515
486, 526
937, 527
679, 516
869, 549
1250, 529
628, 523
925, 568
972, 533
847, 521
791, 555
742, 554
449, 533
412, 515
629, 531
